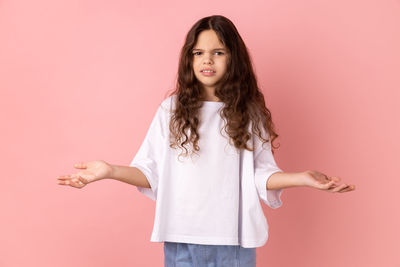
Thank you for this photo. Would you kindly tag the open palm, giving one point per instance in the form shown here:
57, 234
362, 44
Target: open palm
321, 181
89, 172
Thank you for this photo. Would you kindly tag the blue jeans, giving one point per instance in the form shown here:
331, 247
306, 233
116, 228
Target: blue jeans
196, 255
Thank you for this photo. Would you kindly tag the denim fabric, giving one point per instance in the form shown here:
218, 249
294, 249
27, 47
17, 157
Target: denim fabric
196, 255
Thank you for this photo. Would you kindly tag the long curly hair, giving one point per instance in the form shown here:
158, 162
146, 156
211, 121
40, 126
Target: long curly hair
238, 89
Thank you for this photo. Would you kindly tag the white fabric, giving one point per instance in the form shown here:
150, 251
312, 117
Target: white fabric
213, 198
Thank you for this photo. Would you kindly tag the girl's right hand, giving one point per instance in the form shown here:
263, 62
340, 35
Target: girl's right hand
322, 181
90, 171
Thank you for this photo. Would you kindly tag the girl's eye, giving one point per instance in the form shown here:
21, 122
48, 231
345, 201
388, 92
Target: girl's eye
196, 53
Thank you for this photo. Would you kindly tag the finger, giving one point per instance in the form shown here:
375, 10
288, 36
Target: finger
349, 188
64, 182
328, 185
74, 182
67, 177
343, 189
64, 177
340, 187
80, 165
73, 179
61, 182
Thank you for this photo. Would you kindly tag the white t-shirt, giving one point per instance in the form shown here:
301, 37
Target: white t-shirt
211, 199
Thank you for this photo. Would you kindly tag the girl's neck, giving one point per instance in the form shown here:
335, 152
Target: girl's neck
211, 99
208, 95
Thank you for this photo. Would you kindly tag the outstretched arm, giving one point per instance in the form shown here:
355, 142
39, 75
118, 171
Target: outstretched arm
99, 169
310, 178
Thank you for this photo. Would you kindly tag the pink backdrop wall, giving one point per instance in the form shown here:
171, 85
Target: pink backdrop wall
81, 80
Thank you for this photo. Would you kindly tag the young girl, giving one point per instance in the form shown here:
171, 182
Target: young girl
207, 158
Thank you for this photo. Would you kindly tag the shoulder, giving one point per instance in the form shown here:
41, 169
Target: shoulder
168, 104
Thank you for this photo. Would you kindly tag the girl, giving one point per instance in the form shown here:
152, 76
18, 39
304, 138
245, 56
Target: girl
207, 205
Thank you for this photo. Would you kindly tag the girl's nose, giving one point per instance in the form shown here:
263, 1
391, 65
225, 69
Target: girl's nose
207, 60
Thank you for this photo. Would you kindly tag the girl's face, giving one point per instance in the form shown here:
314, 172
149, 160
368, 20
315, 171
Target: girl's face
209, 54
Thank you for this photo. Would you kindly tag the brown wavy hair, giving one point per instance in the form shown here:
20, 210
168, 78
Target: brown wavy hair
238, 89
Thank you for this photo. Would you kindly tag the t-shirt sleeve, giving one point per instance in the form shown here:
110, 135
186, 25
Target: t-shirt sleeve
149, 157
265, 166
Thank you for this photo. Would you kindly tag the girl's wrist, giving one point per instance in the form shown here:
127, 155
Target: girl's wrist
301, 178
114, 170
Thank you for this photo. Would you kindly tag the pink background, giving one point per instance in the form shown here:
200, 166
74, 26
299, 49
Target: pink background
81, 80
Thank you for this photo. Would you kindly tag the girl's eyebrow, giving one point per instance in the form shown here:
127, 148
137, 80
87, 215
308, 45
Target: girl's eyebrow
211, 50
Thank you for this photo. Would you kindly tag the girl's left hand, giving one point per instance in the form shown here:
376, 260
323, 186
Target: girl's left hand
321, 181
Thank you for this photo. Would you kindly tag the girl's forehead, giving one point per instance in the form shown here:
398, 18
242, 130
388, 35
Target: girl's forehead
209, 46
208, 40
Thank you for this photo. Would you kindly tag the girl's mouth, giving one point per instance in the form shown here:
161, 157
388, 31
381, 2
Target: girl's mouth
208, 73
